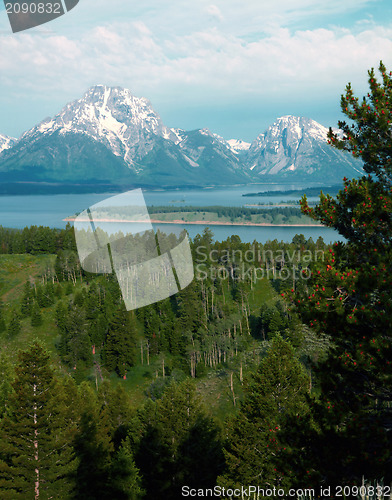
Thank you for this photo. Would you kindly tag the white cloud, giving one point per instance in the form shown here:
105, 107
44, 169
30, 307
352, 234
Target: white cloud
170, 53
212, 61
214, 12
181, 16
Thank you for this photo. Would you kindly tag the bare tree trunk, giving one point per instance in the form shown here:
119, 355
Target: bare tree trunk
193, 365
247, 323
232, 387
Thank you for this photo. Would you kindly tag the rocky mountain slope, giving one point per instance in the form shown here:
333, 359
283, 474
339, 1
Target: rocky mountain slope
110, 137
297, 147
6, 142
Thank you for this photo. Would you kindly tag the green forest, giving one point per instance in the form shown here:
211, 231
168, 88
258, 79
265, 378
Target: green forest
271, 369
310, 191
241, 215
290, 215
119, 372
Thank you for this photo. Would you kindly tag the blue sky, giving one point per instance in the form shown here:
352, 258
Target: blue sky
232, 66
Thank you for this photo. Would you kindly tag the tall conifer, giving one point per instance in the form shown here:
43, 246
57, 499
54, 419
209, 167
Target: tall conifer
36, 456
349, 295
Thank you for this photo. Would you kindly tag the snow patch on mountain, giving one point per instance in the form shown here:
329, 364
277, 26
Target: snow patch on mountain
6, 142
111, 121
237, 145
296, 144
114, 117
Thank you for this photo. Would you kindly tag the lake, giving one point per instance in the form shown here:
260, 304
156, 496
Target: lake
47, 210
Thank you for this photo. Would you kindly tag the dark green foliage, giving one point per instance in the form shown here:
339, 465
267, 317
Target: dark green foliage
58, 291
273, 319
125, 480
36, 432
36, 317
79, 298
36, 240
97, 329
75, 344
120, 343
177, 434
93, 448
6, 377
310, 191
205, 332
368, 137
3, 326
61, 317
14, 325
231, 212
44, 295
27, 299
257, 449
349, 297
67, 266
106, 469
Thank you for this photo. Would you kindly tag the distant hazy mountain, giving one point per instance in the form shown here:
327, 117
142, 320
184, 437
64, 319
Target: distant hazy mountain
109, 137
238, 145
296, 147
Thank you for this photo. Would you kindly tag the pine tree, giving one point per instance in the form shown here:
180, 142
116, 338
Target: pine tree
27, 300
178, 432
120, 343
258, 450
36, 317
75, 344
106, 469
125, 479
61, 318
14, 325
36, 457
349, 295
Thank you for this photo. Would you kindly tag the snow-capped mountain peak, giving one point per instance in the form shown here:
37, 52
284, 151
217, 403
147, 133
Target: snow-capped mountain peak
295, 144
111, 136
297, 127
237, 145
6, 142
112, 116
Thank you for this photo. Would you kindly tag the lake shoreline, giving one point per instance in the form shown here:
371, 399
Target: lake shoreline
198, 222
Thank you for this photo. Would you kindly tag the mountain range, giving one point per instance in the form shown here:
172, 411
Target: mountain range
110, 138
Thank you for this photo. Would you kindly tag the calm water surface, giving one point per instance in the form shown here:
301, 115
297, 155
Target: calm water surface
46, 210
